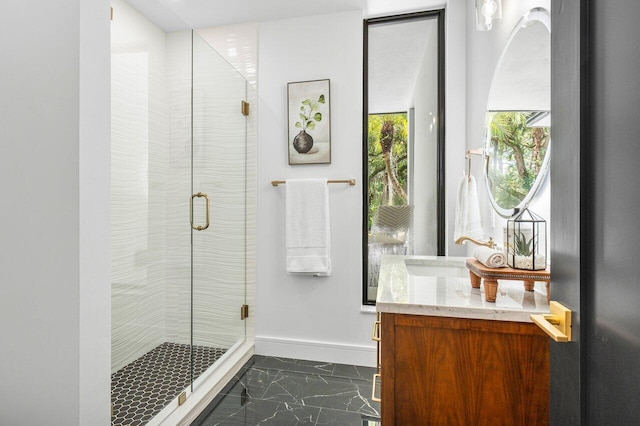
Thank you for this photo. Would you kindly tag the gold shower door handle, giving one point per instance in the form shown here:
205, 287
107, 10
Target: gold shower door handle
206, 197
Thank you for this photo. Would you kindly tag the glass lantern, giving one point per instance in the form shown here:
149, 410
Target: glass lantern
527, 241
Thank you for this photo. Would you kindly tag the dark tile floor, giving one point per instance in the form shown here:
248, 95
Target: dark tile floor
282, 392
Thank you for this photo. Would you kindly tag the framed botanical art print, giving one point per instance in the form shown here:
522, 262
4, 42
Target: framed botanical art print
309, 112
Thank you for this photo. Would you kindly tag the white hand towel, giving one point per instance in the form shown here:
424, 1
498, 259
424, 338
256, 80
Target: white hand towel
490, 258
468, 221
308, 233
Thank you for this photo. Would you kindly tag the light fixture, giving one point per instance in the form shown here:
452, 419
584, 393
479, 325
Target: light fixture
486, 12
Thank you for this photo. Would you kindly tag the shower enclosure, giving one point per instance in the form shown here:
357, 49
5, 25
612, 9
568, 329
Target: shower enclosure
179, 215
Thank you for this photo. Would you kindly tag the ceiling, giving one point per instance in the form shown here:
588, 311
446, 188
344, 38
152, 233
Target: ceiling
392, 85
173, 15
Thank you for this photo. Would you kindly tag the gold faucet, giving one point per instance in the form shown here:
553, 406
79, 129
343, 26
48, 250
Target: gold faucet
491, 244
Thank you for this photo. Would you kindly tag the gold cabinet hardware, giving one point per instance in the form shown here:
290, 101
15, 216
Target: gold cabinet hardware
245, 108
375, 333
206, 197
557, 323
377, 338
374, 398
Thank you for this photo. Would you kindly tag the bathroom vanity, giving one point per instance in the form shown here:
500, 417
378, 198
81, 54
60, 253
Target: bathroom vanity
447, 356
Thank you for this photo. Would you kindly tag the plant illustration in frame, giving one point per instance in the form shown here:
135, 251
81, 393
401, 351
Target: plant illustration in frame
309, 122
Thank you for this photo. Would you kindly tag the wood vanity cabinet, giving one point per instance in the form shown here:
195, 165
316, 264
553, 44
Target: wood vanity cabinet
458, 371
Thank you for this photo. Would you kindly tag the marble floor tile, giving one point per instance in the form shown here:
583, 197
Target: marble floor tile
282, 391
322, 391
231, 412
354, 371
315, 367
329, 417
254, 382
290, 364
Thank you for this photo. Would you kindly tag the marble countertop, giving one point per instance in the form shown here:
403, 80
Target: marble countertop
440, 286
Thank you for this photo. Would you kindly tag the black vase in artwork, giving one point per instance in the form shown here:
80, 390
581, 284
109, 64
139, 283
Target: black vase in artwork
303, 142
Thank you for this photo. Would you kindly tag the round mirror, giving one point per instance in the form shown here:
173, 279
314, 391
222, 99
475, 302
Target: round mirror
517, 134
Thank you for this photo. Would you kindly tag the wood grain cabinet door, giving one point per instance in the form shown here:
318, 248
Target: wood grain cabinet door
452, 371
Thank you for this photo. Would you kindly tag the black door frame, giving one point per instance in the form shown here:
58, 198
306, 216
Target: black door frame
569, 193
594, 203
438, 14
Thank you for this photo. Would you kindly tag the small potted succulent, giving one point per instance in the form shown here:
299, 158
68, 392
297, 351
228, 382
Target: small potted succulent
309, 116
526, 241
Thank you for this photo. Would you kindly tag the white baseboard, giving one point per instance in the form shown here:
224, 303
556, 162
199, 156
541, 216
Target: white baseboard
316, 351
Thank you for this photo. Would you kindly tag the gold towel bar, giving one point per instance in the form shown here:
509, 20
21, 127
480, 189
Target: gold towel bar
349, 181
467, 155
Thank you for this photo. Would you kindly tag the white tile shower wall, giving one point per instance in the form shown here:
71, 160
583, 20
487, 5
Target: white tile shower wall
138, 150
238, 44
251, 203
219, 140
178, 189
220, 153
152, 189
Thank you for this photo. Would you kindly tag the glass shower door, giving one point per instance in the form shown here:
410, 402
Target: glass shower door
218, 206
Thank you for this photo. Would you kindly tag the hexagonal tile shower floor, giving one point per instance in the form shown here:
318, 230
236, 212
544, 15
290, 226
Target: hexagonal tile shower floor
141, 389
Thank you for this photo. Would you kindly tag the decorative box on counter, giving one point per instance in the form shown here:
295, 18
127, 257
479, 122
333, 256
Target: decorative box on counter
527, 241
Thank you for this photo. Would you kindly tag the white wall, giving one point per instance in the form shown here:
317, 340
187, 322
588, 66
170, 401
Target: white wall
322, 318
54, 251
483, 52
95, 256
457, 27
297, 316
292, 310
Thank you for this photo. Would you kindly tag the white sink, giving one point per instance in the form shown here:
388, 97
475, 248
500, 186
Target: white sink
437, 267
